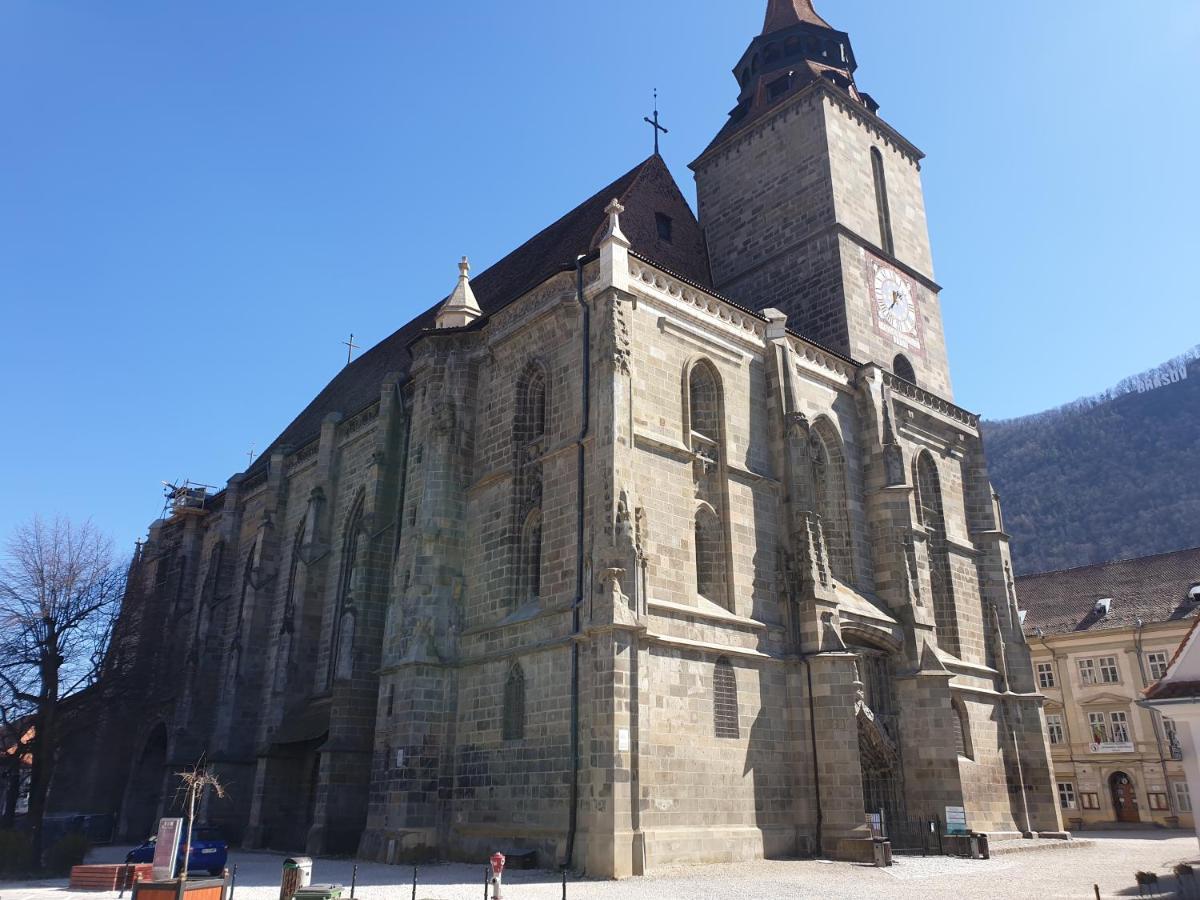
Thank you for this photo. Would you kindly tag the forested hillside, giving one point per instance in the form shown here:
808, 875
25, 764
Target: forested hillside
1107, 477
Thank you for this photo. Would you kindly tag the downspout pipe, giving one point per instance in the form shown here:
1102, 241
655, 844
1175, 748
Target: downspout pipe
577, 605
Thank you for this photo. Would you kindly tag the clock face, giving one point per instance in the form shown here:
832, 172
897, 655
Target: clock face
896, 307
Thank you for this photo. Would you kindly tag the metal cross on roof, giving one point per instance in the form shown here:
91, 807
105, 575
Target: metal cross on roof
350, 348
251, 454
654, 123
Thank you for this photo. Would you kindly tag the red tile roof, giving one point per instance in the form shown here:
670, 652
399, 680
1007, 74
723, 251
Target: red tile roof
1150, 588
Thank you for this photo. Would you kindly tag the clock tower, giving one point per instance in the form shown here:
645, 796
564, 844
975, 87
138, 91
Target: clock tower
811, 203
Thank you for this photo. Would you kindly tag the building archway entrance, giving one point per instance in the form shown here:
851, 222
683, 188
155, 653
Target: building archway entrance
1124, 798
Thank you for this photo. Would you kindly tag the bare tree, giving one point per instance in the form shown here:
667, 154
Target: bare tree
193, 783
16, 734
60, 591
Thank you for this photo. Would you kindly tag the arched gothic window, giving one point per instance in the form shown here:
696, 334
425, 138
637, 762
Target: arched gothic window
710, 556
962, 729
881, 202
829, 481
704, 401
342, 634
930, 511
531, 405
531, 556
514, 705
902, 368
725, 700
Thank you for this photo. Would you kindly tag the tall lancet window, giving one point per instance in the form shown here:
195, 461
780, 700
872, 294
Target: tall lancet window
881, 202
531, 557
350, 582
710, 555
931, 511
513, 721
530, 422
704, 427
829, 480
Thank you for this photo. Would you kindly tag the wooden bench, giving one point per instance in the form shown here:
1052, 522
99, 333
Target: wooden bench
110, 877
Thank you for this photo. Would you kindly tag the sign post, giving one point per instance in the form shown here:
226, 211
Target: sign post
166, 848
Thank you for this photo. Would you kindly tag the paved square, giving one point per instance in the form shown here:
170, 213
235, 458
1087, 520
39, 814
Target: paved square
1108, 859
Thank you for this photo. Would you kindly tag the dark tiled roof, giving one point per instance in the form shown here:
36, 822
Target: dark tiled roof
1171, 690
1152, 588
785, 13
644, 191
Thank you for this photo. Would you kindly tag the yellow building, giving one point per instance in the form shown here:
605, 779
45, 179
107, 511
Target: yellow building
1100, 635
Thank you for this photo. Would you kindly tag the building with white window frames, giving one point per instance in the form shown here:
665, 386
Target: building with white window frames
1100, 635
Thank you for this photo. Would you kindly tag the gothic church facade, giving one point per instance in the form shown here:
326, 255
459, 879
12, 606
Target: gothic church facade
662, 540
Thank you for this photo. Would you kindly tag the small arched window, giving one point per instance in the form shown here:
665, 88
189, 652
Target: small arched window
710, 556
514, 704
531, 405
725, 700
704, 401
881, 202
962, 730
531, 556
902, 368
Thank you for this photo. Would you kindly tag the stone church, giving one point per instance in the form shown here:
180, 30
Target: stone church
662, 540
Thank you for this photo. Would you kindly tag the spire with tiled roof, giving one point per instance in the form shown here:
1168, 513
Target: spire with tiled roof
786, 13
797, 47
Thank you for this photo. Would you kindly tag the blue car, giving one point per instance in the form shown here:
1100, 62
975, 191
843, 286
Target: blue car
209, 854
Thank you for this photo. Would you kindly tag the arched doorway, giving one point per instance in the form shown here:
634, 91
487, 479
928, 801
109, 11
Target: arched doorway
145, 786
1124, 798
878, 744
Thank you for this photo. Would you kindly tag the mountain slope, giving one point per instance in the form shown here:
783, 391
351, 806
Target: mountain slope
1109, 477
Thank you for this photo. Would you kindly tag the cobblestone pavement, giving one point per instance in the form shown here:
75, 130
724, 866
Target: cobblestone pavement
1108, 859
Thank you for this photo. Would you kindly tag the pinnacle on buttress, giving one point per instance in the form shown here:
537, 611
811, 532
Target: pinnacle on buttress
612, 228
786, 13
461, 307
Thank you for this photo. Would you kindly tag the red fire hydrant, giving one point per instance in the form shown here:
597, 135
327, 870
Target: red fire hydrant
497, 874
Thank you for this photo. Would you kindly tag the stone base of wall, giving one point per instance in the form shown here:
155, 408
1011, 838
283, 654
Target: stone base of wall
689, 846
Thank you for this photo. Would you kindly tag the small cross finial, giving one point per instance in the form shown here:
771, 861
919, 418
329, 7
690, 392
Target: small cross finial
464, 267
250, 454
350, 348
654, 123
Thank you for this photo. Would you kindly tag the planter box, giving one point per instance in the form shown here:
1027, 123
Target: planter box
113, 877
192, 889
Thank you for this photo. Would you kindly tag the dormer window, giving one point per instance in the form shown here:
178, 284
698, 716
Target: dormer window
1194, 593
663, 223
1102, 607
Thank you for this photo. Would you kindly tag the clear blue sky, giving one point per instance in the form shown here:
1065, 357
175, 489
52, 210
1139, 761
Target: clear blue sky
200, 200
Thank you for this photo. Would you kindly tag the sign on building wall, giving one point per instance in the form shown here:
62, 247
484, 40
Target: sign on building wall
166, 846
1111, 747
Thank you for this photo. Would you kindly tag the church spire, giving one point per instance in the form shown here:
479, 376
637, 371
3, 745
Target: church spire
460, 308
786, 13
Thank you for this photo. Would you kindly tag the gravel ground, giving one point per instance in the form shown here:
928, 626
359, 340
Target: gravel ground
1107, 858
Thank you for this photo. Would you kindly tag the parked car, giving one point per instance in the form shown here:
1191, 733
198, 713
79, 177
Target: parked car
209, 854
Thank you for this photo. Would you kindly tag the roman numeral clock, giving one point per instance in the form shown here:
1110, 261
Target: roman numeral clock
896, 314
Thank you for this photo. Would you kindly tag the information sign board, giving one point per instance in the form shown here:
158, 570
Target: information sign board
956, 820
166, 848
